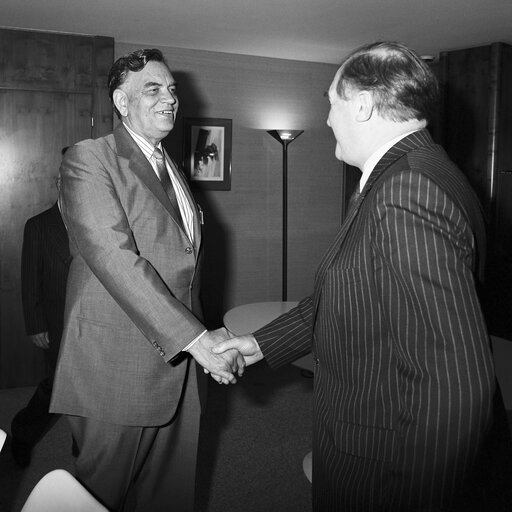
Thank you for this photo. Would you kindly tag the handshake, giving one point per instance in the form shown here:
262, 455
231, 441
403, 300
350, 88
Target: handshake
224, 356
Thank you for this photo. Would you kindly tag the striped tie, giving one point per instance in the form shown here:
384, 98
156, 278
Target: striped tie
165, 179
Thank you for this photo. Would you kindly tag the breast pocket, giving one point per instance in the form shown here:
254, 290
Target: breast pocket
341, 288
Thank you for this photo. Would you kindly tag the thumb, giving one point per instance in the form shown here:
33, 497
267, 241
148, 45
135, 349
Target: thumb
223, 346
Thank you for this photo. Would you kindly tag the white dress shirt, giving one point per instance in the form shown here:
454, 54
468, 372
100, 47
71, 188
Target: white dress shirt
183, 204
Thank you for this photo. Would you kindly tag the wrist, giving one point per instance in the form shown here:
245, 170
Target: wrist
193, 342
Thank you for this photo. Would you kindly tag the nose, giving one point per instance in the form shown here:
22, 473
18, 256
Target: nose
170, 97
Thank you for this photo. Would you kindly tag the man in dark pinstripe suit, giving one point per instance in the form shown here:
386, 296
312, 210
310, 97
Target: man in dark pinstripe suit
44, 270
404, 377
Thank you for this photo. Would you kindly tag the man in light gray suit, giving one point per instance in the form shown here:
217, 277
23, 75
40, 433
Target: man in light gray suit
404, 378
125, 378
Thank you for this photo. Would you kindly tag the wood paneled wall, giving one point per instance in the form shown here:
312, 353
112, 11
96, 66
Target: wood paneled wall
243, 226
475, 129
51, 87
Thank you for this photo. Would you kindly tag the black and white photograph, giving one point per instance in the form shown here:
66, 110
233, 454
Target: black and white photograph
256, 256
207, 152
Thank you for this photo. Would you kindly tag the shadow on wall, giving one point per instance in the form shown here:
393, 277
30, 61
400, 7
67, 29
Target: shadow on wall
215, 253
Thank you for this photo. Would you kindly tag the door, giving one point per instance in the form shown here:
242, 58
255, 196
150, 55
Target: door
53, 93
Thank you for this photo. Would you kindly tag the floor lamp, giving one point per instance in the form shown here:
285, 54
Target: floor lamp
285, 137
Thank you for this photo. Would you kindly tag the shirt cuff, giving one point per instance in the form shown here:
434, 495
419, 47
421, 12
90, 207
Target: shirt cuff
186, 349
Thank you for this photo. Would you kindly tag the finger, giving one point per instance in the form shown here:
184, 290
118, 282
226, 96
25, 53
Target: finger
234, 361
224, 377
222, 380
227, 378
223, 346
241, 367
240, 363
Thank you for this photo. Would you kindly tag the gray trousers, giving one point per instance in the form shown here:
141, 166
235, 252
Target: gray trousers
142, 469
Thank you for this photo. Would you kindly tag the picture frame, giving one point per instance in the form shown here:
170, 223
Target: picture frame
207, 152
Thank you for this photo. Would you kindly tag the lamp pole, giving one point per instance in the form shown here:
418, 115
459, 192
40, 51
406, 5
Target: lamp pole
285, 137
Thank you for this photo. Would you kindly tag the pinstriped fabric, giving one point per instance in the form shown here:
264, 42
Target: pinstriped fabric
45, 262
404, 378
295, 330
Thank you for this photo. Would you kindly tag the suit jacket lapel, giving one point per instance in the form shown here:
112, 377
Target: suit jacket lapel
403, 146
132, 160
333, 251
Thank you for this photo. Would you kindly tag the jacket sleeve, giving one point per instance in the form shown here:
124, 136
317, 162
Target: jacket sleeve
31, 278
288, 337
423, 252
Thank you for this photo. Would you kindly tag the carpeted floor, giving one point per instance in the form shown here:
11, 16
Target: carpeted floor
254, 437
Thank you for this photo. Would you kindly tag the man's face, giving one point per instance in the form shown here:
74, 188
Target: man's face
341, 121
150, 104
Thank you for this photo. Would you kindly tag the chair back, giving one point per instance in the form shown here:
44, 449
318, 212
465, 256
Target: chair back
3, 437
59, 491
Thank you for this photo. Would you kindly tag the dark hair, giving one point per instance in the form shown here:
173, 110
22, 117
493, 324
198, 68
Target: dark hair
134, 61
403, 86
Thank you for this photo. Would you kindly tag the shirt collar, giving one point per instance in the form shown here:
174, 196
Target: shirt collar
374, 158
143, 144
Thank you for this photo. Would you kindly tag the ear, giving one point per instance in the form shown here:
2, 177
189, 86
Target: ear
120, 99
364, 106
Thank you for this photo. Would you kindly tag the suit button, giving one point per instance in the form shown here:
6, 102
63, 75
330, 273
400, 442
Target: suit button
188, 250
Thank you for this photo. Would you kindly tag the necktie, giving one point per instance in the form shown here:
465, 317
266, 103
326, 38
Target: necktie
165, 179
353, 200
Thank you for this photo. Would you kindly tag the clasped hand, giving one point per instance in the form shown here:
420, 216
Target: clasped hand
40, 340
224, 356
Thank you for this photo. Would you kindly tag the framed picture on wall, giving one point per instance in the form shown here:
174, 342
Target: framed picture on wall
207, 152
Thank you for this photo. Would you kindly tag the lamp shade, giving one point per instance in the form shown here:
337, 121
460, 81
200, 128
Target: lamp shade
285, 136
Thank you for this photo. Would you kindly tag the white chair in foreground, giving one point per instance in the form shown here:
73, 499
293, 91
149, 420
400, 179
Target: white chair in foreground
3, 436
307, 466
59, 491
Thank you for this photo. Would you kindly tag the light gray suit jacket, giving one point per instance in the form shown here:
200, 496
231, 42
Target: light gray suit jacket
133, 288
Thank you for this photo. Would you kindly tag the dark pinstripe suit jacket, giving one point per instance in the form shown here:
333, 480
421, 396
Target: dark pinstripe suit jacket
404, 377
45, 263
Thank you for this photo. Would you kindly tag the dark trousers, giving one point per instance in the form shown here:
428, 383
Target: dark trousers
34, 420
142, 469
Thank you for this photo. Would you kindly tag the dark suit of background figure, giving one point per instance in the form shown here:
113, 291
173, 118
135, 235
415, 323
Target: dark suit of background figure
404, 375
44, 268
